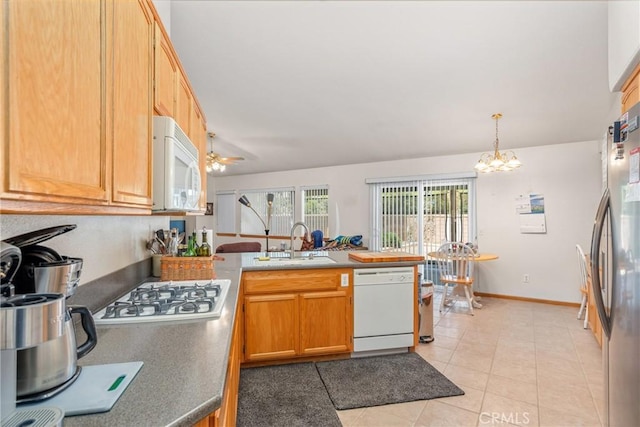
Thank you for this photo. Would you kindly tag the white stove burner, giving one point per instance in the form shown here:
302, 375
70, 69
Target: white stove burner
164, 301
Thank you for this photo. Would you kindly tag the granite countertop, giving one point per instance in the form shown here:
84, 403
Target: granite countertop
185, 362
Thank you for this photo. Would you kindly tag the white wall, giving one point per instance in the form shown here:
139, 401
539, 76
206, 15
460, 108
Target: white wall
568, 175
163, 7
624, 41
105, 243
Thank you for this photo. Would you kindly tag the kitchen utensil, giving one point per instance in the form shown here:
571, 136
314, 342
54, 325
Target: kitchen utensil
97, 389
160, 235
25, 321
48, 368
40, 272
43, 270
163, 246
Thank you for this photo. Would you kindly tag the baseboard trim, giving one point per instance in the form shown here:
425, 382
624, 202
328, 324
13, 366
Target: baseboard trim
527, 299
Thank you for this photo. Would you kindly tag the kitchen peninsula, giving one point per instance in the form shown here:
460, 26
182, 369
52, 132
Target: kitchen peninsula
185, 373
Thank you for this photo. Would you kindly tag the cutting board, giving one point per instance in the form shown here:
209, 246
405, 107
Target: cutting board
97, 389
384, 257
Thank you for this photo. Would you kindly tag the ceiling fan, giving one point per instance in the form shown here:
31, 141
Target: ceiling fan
215, 162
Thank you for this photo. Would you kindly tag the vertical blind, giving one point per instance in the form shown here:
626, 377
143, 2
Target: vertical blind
226, 205
282, 213
315, 203
417, 215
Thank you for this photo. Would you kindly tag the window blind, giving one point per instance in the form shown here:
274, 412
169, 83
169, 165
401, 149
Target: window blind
315, 202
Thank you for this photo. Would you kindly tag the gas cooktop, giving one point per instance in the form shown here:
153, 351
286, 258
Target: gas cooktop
166, 301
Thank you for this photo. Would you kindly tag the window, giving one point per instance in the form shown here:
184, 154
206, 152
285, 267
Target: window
315, 202
282, 212
417, 215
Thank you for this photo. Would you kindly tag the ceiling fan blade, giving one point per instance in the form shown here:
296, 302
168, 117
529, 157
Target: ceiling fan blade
229, 160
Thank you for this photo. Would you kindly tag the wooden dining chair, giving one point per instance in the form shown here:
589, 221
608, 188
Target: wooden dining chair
455, 266
584, 286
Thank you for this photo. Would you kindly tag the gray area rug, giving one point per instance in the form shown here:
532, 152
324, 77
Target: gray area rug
284, 395
381, 380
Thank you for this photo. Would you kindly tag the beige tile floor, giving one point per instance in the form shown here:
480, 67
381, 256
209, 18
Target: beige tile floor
519, 363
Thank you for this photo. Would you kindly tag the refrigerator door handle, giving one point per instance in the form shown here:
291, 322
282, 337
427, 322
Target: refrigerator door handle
596, 237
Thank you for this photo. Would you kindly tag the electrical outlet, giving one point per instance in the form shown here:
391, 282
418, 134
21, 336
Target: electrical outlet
344, 279
525, 278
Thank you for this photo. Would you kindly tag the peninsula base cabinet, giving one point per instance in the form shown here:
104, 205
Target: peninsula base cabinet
292, 314
225, 416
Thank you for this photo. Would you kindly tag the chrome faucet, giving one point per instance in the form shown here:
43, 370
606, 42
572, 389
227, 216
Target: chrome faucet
293, 228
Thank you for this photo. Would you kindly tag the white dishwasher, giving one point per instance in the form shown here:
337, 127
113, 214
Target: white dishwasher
383, 308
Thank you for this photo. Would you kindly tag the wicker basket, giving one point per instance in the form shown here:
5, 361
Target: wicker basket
186, 268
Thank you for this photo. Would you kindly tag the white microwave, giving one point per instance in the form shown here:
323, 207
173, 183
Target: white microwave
176, 172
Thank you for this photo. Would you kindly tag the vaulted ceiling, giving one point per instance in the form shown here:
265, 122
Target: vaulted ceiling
302, 84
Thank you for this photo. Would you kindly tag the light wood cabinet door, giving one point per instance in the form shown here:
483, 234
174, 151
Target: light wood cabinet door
199, 138
57, 148
631, 90
325, 326
132, 39
165, 75
271, 327
184, 104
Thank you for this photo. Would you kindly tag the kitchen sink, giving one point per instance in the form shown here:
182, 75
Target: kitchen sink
302, 261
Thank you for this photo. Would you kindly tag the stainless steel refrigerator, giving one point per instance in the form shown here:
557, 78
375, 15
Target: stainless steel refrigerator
615, 263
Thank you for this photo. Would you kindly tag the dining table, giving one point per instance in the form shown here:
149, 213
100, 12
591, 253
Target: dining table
478, 257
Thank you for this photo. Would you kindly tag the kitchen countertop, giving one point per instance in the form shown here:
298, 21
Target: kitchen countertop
185, 362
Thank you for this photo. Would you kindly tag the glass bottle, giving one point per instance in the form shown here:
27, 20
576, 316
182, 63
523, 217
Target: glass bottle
204, 249
190, 248
173, 243
196, 247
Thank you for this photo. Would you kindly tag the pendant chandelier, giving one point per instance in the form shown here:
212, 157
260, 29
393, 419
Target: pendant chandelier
497, 161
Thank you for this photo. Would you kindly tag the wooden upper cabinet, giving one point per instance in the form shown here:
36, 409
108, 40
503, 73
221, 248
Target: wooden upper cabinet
165, 75
132, 102
199, 137
631, 90
78, 88
184, 104
78, 117
174, 97
57, 148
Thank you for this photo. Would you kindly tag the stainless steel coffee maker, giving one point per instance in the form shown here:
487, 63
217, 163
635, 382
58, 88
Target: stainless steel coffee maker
50, 367
26, 321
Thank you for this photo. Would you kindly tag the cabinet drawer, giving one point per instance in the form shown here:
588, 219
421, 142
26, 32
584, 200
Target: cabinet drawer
293, 280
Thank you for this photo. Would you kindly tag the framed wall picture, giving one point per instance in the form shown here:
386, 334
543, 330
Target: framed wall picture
209, 210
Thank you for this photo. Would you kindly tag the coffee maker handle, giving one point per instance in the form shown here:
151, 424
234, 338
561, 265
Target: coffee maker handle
89, 328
